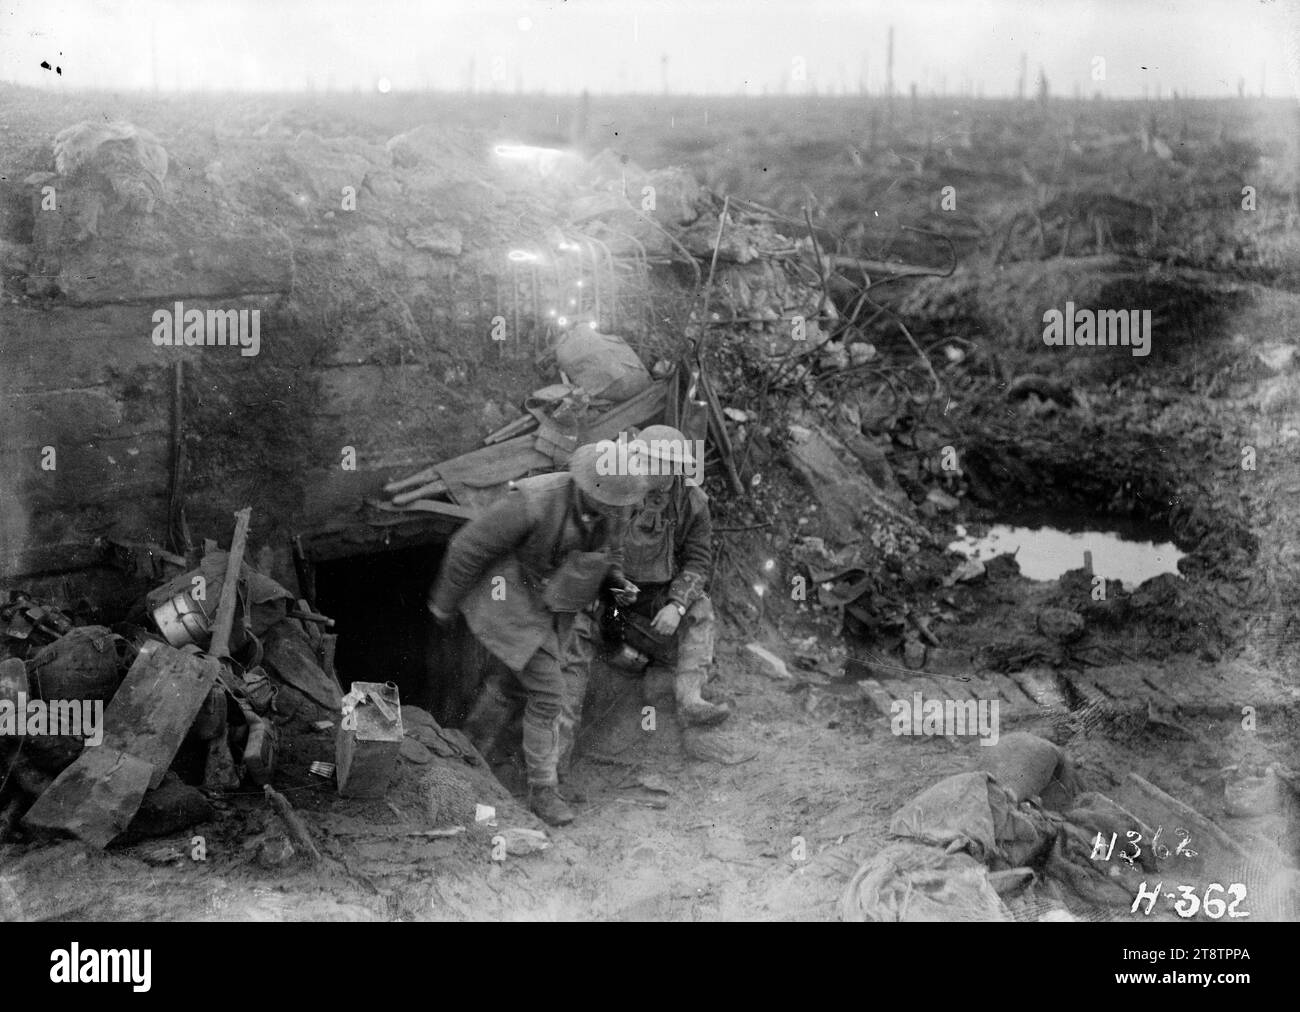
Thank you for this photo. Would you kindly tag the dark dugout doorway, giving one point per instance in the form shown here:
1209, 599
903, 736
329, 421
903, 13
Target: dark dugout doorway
376, 595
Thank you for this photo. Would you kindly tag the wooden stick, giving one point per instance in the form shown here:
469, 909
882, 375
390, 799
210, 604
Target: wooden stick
718, 424
522, 424
844, 262
1187, 812
419, 478
422, 492
220, 645
923, 627
703, 298
293, 822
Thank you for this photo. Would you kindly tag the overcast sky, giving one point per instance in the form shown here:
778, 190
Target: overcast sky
1198, 47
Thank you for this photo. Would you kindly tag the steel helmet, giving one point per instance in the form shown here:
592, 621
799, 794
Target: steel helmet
664, 443
598, 470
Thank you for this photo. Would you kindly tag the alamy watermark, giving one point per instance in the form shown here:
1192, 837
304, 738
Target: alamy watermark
1126, 328
215, 328
949, 718
78, 718
653, 457
75, 965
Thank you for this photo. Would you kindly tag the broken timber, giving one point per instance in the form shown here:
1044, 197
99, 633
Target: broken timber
96, 797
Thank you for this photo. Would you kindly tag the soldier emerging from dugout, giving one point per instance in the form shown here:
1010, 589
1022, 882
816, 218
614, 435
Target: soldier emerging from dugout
519, 573
667, 554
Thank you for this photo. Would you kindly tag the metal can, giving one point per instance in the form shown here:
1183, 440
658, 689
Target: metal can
183, 621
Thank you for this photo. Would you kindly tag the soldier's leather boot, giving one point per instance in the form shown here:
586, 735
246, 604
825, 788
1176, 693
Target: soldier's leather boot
703, 714
545, 802
692, 709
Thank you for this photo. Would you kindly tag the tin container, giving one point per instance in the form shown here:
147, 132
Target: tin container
366, 750
183, 620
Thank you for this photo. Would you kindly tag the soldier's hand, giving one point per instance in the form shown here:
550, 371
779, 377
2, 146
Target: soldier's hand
441, 617
665, 623
624, 593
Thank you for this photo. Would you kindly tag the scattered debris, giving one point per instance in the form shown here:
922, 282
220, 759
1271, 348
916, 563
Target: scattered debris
942, 500
775, 667
298, 831
521, 842
96, 797
966, 572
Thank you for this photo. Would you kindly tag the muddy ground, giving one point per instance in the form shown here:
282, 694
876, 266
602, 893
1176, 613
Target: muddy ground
812, 773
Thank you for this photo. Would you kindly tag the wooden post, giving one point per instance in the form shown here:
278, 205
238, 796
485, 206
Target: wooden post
220, 645
219, 772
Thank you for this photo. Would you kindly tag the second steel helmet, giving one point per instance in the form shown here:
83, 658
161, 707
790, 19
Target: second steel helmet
599, 470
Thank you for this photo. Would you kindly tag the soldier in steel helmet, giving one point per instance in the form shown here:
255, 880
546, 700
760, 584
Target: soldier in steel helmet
667, 553
519, 573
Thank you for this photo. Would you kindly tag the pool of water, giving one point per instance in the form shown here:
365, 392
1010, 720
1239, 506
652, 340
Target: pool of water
1044, 553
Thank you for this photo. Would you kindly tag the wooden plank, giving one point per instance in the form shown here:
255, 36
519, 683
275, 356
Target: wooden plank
152, 710
929, 688
1013, 694
1089, 693
956, 688
446, 509
500, 462
1120, 683
989, 688
412, 530
95, 798
225, 620
1042, 686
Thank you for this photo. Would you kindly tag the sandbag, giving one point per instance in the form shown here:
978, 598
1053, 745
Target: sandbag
976, 813
908, 882
82, 664
1032, 767
604, 365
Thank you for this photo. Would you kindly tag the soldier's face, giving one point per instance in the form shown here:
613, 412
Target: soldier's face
659, 482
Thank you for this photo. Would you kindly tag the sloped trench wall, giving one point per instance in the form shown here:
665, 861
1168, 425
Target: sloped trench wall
381, 275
